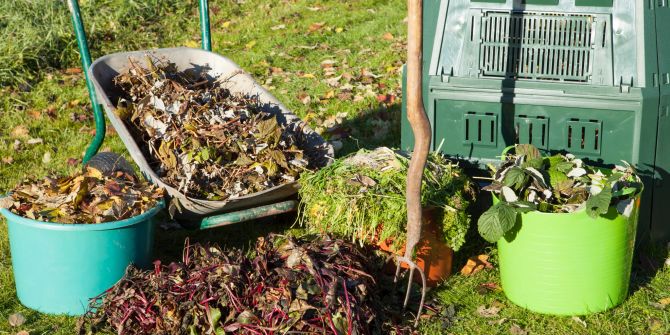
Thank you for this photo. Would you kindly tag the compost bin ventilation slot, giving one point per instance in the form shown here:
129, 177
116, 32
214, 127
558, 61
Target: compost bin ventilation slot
537, 45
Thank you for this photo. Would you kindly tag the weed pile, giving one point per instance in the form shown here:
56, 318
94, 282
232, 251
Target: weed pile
362, 197
207, 142
294, 286
84, 197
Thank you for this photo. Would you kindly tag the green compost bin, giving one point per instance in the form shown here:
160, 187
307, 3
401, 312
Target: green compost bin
59, 267
568, 263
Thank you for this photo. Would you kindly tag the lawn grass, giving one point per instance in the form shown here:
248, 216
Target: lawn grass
288, 46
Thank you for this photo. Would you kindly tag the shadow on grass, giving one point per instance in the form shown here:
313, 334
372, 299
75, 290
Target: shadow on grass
373, 128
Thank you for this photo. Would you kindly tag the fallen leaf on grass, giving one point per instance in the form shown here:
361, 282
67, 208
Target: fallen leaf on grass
278, 27
579, 320
250, 45
35, 141
488, 287
23, 332
517, 330
8, 160
476, 264
19, 131
16, 319
35, 114
304, 98
488, 312
73, 70
497, 322
316, 26
73, 161
46, 158
388, 36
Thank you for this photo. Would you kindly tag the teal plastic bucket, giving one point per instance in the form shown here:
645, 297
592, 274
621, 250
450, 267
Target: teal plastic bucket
59, 267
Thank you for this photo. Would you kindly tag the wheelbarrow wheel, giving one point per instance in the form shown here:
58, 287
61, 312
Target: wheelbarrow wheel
110, 162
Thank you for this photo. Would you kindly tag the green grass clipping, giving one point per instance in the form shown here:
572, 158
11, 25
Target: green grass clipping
362, 197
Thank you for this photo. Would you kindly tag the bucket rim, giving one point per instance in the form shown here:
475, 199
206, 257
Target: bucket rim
13, 218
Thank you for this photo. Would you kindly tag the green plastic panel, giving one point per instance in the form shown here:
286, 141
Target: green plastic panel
594, 3
481, 130
540, 2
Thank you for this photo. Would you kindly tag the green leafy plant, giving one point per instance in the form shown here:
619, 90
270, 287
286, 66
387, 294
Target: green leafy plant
527, 181
362, 197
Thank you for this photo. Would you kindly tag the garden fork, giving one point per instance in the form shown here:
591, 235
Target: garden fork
422, 136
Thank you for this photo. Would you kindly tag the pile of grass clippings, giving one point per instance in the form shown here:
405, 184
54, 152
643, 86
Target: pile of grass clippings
85, 197
206, 142
362, 197
289, 286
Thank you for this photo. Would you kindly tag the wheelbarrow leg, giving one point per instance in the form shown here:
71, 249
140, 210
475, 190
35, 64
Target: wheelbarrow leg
80, 33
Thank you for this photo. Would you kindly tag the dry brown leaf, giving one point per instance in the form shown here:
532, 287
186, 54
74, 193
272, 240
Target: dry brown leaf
23, 332
476, 264
8, 159
488, 312
515, 329
316, 26
35, 114
304, 98
387, 36
73, 70
19, 131
16, 319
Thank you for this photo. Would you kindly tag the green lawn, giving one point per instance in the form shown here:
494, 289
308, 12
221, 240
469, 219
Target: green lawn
335, 63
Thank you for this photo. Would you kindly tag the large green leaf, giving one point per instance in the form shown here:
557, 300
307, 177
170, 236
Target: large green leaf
496, 221
515, 178
528, 150
599, 204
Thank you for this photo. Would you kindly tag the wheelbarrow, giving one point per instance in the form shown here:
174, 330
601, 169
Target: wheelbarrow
194, 213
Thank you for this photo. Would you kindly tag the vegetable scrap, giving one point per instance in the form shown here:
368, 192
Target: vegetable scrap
290, 286
527, 181
84, 197
362, 197
205, 141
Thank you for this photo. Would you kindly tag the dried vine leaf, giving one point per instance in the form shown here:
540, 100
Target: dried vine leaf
203, 140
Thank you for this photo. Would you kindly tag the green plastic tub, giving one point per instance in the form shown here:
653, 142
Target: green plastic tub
59, 267
568, 263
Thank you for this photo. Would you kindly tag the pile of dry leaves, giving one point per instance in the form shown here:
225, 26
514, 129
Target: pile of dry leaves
303, 286
205, 141
85, 197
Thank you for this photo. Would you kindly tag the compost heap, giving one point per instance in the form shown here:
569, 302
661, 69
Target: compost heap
305, 286
84, 197
362, 197
205, 141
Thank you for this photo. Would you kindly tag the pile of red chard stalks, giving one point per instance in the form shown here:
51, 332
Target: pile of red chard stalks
288, 286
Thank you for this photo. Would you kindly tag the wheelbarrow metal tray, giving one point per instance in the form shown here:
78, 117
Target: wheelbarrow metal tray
103, 71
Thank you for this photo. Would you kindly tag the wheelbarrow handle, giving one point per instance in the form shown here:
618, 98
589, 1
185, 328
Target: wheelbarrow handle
248, 214
206, 35
82, 43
